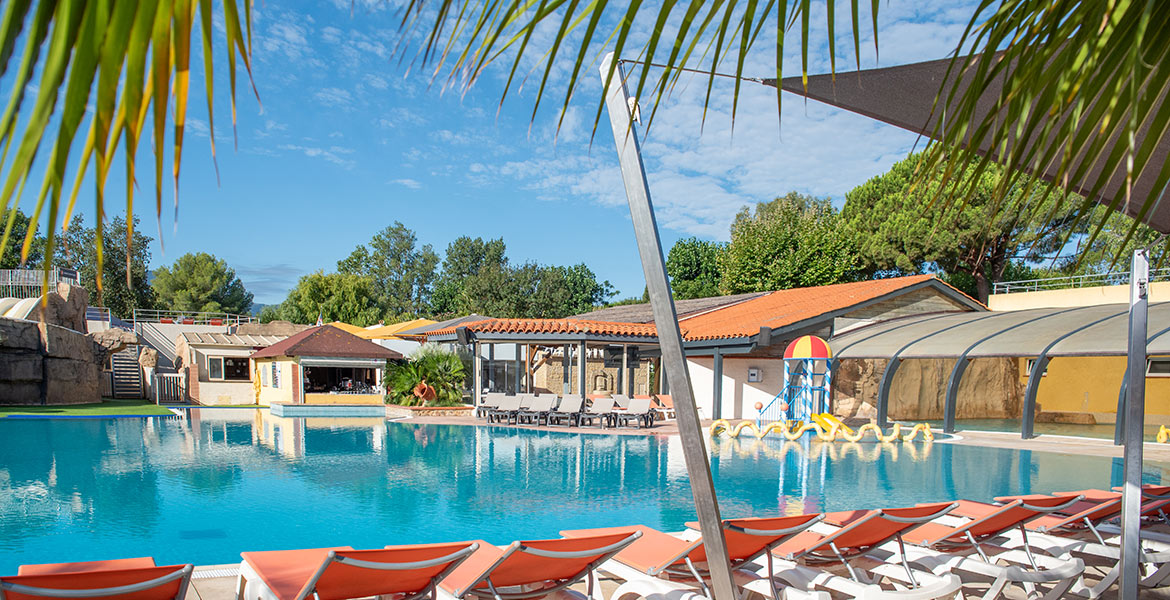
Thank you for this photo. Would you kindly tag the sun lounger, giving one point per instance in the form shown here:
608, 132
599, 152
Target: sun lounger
537, 410
489, 402
84, 567
506, 410
405, 571
568, 411
601, 410
95, 581
966, 547
636, 413
862, 532
621, 401
659, 565
1079, 535
664, 406
533, 569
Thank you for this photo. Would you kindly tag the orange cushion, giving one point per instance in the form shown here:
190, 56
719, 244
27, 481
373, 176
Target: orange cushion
96, 580
470, 569
650, 553
84, 567
285, 572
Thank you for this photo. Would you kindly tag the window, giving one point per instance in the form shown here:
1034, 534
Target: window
263, 377
235, 368
1158, 367
275, 375
215, 368
1032, 363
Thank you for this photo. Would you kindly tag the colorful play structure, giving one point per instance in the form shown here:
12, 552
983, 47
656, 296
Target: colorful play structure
802, 406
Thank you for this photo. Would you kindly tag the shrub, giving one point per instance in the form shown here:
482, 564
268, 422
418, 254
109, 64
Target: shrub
430, 366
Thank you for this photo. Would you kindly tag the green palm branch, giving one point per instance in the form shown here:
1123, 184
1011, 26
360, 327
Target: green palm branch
1075, 91
1100, 62
122, 61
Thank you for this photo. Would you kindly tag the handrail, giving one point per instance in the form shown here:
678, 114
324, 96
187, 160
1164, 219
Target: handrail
142, 315
1074, 281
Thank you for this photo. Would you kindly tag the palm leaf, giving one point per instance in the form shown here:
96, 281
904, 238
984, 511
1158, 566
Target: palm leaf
1081, 104
98, 51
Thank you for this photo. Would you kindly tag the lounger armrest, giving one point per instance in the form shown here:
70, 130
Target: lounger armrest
777, 532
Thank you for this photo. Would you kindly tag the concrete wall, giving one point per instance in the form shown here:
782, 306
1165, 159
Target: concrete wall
1087, 296
549, 377
739, 396
288, 383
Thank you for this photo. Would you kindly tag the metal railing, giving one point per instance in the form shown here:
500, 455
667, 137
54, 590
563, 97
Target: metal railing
30, 283
1074, 281
189, 318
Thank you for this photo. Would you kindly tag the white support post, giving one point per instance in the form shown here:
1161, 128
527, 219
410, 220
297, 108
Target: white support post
1135, 405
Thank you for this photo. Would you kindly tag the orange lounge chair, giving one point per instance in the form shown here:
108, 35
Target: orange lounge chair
85, 567
534, 568
805, 556
664, 406
335, 573
944, 546
1062, 536
647, 564
94, 580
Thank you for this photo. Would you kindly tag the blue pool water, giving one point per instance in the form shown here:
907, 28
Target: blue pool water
207, 486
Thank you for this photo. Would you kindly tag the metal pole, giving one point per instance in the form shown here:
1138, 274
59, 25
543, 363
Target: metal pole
617, 102
1135, 405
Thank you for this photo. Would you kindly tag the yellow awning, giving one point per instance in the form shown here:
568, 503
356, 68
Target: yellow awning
386, 332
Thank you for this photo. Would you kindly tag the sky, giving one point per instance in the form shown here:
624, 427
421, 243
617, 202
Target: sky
345, 140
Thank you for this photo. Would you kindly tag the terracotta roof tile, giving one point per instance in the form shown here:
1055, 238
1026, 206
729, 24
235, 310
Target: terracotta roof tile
326, 340
786, 307
552, 326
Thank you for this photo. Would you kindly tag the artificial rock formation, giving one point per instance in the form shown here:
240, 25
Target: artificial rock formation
46, 357
991, 388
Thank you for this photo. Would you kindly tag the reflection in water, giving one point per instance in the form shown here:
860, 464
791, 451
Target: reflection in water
203, 487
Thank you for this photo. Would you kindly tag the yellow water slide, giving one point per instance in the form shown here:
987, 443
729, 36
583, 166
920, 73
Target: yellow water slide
827, 421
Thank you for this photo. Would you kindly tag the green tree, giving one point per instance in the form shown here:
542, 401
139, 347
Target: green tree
899, 230
10, 252
562, 291
693, 267
334, 297
201, 282
124, 268
402, 275
465, 258
792, 241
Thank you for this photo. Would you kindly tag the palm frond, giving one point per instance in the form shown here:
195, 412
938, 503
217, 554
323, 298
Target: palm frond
462, 37
1069, 92
118, 61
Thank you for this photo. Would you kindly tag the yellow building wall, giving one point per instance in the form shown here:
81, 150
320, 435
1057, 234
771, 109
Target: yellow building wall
1090, 384
1086, 296
284, 393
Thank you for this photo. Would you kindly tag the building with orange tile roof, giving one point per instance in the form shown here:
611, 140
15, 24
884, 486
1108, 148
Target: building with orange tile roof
724, 338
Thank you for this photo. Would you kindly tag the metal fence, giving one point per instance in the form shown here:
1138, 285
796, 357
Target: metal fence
167, 388
1074, 281
189, 318
30, 283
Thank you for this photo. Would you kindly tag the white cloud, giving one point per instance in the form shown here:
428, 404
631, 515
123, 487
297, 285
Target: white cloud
407, 183
331, 154
335, 97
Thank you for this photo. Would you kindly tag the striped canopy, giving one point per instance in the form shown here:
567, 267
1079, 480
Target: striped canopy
809, 346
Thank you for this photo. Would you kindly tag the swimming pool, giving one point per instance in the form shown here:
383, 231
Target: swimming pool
204, 487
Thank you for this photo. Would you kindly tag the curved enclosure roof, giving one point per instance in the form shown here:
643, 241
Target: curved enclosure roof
1080, 331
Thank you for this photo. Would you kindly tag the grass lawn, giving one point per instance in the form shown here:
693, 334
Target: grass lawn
108, 407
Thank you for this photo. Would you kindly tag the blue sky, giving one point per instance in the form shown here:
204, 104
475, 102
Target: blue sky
346, 141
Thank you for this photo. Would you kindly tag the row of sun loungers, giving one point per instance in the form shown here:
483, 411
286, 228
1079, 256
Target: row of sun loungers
575, 411
1040, 544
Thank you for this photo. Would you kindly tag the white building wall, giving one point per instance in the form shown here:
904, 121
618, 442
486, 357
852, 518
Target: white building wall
739, 396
